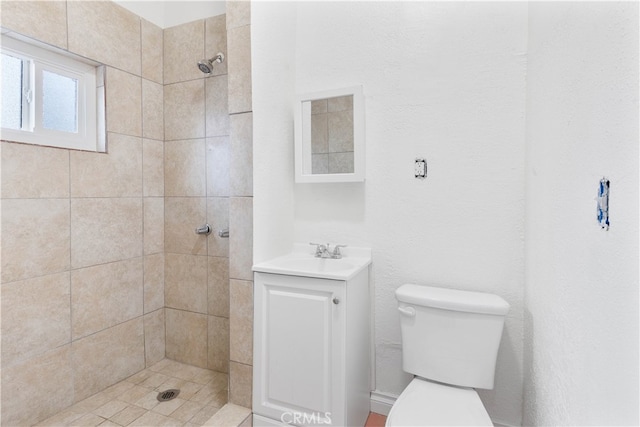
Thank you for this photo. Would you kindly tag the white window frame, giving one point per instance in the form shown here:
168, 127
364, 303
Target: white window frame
90, 92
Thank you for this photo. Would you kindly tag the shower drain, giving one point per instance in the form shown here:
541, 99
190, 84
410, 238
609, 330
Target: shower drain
172, 393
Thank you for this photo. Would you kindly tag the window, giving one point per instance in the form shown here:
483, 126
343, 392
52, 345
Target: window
50, 98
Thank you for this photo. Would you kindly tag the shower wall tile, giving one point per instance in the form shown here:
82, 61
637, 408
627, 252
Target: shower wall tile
216, 42
153, 225
154, 337
152, 51
35, 316
240, 383
152, 110
241, 321
41, 20
185, 168
239, 42
218, 344
124, 102
152, 168
185, 282
183, 49
35, 237
106, 295
186, 337
109, 356
105, 32
218, 286
184, 110
31, 171
218, 219
217, 103
218, 168
105, 230
238, 13
117, 173
101, 210
153, 282
241, 164
37, 388
241, 238
182, 216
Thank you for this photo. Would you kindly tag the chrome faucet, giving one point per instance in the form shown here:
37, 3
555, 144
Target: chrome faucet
336, 251
322, 251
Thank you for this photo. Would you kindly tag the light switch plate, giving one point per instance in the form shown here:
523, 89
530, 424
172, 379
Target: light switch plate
420, 168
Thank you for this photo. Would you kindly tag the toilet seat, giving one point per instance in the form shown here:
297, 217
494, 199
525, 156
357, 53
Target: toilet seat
425, 403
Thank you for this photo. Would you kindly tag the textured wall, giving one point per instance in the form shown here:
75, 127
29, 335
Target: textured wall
581, 321
445, 81
273, 95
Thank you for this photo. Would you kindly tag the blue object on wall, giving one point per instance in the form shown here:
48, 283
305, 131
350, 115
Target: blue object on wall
603, 203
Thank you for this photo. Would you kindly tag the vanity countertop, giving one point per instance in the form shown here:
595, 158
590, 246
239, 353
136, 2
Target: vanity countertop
302, 262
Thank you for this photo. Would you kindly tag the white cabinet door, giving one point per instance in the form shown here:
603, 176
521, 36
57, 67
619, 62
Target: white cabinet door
299, 349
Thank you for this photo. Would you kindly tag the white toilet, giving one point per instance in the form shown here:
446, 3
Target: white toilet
450, 341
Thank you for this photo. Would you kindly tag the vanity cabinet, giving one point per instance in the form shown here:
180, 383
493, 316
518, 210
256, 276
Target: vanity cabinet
311, 350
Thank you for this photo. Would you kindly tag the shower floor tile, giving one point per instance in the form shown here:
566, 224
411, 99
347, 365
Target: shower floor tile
132, 402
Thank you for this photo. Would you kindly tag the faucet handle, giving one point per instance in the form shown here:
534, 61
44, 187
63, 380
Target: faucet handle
320, 248
336, 251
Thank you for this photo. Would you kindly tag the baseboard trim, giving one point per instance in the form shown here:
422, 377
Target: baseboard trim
382, 402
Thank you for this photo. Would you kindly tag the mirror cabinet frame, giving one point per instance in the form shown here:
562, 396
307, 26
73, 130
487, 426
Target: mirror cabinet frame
302, 119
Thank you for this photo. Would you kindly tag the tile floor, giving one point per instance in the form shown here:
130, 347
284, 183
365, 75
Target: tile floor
132, 402
375, 420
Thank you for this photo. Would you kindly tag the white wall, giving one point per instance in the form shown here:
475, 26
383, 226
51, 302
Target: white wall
581, 324
443, 80
167, 14
273, 41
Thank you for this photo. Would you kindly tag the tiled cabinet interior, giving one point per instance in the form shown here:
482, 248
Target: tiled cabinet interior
332, 135
102, 273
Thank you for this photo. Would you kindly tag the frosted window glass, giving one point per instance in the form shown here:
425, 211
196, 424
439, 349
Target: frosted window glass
11, 92
59, 102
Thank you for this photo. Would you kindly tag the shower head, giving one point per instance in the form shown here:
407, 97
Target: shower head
206, 65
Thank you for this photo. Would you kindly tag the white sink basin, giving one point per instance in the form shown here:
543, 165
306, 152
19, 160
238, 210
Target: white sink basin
301, 262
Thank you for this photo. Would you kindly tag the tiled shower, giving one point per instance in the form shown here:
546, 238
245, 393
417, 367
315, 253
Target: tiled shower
102, 273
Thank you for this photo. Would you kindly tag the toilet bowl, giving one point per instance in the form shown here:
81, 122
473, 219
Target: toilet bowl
450, 341
426, 403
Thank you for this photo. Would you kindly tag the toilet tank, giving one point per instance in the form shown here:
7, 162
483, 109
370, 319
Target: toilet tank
450, 336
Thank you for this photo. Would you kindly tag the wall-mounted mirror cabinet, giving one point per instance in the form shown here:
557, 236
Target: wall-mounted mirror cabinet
329, 136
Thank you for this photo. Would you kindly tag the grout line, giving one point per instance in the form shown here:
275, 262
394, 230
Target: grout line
66, 22
73, 369
142, 138
206, 190
72, 269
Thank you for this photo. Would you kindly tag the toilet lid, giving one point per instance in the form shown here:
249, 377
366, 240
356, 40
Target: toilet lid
425, 403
